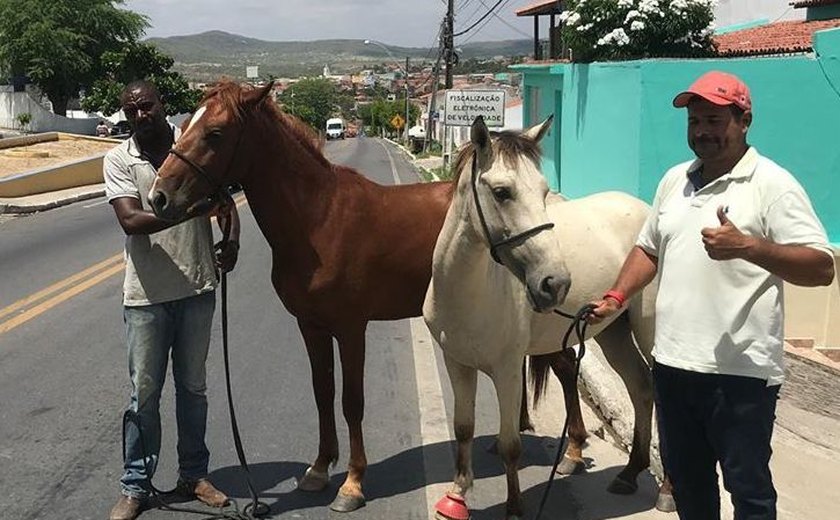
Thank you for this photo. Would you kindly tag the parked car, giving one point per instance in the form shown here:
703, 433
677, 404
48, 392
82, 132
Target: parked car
121, 129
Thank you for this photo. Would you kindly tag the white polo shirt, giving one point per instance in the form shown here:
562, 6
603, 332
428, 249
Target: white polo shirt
725, 317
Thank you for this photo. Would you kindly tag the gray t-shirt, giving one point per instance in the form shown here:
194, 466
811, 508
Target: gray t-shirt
169, 265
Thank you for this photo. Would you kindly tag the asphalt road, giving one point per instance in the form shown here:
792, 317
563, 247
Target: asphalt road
64, 386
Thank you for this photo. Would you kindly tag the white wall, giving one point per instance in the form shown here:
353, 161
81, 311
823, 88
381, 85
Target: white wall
14, 103
730, 12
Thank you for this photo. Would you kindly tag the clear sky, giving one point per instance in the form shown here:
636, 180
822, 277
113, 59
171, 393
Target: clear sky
410, 23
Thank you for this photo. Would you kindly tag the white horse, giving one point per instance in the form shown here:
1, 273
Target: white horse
488, 315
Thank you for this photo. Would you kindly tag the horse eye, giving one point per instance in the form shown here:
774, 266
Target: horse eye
502, 194
213, 133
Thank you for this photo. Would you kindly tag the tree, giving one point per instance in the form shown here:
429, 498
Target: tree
140, 61
377, 115
313, 100
57, 43
604, 30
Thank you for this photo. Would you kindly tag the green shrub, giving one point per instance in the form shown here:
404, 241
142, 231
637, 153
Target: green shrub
24, 119
611, 30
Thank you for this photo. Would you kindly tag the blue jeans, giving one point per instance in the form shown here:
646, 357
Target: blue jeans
152, 331
705, 419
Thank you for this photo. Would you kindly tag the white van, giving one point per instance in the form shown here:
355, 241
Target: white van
335, 128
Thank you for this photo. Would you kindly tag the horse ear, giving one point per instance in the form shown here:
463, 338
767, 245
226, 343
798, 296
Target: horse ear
255, 97
480, 138
537, 132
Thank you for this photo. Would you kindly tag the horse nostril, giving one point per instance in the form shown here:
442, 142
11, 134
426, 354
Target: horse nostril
159, 200
555, 287
549, 286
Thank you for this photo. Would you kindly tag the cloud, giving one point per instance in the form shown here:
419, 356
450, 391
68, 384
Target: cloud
396, 22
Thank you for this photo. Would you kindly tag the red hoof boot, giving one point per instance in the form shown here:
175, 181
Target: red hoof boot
452, 507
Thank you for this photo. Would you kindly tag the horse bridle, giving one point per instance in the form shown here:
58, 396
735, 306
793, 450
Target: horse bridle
215, 187
495, 245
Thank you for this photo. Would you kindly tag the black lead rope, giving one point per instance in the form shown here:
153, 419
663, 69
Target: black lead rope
578, 325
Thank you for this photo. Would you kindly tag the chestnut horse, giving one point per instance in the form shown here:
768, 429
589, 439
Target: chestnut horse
345, 250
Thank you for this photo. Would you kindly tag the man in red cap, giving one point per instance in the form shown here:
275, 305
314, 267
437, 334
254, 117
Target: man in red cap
726, 230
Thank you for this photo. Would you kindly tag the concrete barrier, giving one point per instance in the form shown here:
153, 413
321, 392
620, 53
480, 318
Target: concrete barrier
72, 174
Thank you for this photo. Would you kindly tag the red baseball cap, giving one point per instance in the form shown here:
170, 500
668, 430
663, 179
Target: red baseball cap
719, 88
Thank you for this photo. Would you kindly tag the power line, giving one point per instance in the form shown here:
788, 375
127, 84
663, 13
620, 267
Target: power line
497, 17
488, 13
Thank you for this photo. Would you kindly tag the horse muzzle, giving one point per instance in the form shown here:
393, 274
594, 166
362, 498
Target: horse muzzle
547, 292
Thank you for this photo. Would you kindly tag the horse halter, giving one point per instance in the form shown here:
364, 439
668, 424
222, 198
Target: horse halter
215, 187
519, 237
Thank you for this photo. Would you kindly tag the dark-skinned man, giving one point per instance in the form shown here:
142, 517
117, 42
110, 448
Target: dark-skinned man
725, 232
168, 305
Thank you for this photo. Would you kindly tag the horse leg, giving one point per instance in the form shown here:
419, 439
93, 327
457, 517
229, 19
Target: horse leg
525, 423
463, 380
616, 342
563, 366
642, 323
508, 387
319, 347
351, 348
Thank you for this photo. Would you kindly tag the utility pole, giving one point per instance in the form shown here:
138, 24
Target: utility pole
432, 99
448, 41
406, 102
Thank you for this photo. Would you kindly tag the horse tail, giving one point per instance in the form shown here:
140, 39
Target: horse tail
539, 368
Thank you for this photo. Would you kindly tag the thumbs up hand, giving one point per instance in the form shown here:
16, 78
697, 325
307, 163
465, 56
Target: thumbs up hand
725, 242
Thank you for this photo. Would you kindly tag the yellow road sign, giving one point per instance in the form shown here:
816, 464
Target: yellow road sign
397, 121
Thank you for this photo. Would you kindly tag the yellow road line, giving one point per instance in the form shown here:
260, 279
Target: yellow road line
81, 276
43, 293
55, 300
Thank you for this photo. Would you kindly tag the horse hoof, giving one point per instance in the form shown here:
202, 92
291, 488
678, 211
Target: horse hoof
452, 507
346, 503
313, 480
619, 486
570, 466
665, 503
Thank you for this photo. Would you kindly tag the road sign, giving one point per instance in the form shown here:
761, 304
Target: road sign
463, 106
397, 121
251, 71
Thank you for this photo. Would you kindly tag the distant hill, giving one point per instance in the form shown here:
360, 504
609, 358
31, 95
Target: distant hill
209, 55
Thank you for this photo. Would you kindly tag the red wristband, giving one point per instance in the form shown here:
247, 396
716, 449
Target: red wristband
618, 296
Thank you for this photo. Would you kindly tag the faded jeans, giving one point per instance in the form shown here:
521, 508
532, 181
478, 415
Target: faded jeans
181, 327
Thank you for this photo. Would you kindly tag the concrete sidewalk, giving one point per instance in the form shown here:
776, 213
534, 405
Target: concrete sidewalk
806, 444
49, 200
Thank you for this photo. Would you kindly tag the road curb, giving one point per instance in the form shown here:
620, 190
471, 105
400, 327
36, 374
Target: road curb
11, 206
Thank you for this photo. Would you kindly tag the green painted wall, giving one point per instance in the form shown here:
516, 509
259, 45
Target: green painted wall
619, 131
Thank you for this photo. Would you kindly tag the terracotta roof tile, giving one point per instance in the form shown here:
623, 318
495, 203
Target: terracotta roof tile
543, 7
812, 3
777, 38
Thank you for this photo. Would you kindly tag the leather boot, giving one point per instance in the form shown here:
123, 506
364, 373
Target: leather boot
204, 491
126, 508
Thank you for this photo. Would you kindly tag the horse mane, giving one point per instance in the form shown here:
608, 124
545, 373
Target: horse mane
509, 145
230, 95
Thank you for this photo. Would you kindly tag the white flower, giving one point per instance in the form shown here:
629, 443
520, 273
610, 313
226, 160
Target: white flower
616, 36
564, 16
632, 14
585, 27
637, 25
573, 19
625, 3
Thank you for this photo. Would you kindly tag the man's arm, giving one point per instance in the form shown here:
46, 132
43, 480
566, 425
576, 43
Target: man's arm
639, 269
796, 264
228, 252
137, 221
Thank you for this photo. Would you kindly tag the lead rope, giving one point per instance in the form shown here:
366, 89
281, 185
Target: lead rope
255, 508
578, 325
